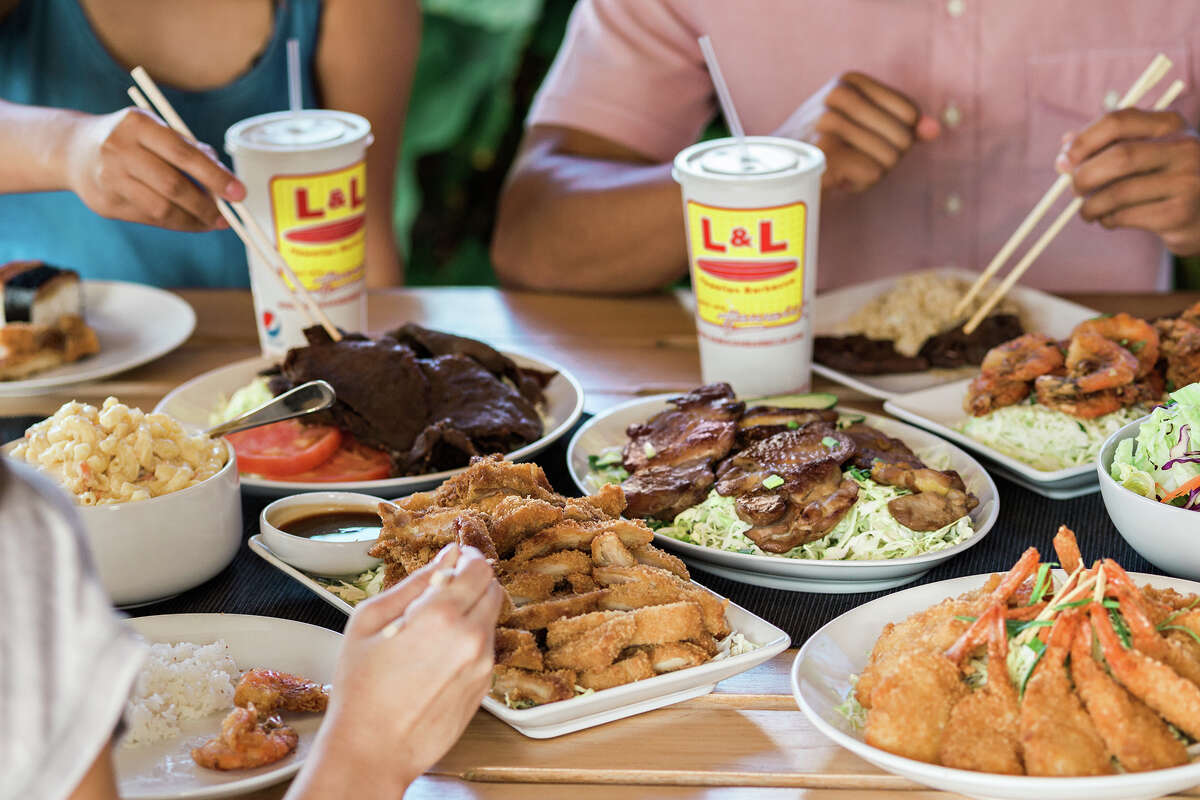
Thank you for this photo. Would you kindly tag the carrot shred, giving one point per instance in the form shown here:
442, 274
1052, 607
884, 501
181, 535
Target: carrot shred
1194, 483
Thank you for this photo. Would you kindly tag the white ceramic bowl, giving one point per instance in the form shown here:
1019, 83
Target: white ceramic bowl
1164, 535
154, 549
314, 555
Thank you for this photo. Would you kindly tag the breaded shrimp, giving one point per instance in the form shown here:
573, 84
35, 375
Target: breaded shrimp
1176, 699
270, 690
1145, 635
1132, 732
1058, 738
983, 732
1067, 548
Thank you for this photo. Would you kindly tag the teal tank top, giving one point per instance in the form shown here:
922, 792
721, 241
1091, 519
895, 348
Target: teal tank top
50, 56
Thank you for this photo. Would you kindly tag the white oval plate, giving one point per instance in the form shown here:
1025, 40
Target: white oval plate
192, 402
597, 708
165, 770
939, 409
795, 574
821, 680
134, 323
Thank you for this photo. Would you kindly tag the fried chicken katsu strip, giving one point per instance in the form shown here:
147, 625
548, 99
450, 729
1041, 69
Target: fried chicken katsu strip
635, 668
529, 587
520, 686
658, 624
639, 586
517, 648
596, 648
536, 616
569, 534
674, 656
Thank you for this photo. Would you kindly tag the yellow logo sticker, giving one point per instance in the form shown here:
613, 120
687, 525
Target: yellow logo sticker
747, 263
320, 225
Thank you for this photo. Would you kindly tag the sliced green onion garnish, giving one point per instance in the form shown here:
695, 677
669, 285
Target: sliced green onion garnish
649, 450
829, 442
772, 482
792, 424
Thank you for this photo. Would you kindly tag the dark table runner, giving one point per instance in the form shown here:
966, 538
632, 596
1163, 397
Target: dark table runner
252, 586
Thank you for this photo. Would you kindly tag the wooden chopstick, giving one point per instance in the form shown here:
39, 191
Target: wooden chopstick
1153, 73
249, 230
1046, 238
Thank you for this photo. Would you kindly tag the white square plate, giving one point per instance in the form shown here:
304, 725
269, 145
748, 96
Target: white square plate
587, 711
1043, 312
939, 409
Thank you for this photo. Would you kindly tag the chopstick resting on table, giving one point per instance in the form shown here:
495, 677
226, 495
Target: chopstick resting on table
236, 214
1153, 73
1046, 238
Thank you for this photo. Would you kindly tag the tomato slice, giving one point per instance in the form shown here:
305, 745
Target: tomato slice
353, 462
283, 449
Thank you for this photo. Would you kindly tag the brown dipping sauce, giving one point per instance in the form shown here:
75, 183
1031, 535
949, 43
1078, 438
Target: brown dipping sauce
336, 526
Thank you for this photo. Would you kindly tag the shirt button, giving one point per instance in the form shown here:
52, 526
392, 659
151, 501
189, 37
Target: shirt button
1111, 99
955, 8
951, 116
953, 205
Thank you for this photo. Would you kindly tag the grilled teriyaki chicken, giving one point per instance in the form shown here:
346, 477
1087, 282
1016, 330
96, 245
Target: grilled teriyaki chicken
670, 456
785, 471
790, 486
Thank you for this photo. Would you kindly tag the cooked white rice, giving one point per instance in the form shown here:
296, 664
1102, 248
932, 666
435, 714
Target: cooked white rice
179, 682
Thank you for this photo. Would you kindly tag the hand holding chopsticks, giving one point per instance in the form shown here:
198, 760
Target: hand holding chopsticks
1152, 75
236, 214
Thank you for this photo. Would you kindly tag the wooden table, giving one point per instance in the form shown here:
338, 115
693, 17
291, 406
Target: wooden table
746, 734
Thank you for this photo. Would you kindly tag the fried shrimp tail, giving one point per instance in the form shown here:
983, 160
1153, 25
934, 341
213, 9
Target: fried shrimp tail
1058, 738
1067, 548
1175, 698
983, 732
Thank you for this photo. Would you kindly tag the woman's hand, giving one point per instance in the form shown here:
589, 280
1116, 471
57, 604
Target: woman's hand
399, 702
1139, 169
863, 126
128, 165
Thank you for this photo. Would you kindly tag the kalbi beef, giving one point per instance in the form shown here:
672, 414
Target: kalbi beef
382, 393
954, 348
428, 343
427, 413
473, 413
763, 422
856, 354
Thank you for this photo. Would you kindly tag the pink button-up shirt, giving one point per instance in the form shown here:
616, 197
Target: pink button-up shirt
1006, 78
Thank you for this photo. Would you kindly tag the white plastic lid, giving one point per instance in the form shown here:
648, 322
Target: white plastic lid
313, 129
753, 159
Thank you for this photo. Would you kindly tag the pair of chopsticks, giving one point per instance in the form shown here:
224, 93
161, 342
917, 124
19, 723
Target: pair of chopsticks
238, 216
1141, 87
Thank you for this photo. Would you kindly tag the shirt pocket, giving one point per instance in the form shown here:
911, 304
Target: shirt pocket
1069, 91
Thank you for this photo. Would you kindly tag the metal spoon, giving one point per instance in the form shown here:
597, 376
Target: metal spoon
304, 399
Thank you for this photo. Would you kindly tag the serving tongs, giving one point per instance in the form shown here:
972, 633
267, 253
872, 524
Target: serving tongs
307, 398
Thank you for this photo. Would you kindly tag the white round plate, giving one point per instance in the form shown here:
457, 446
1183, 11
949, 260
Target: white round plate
165, 770
192, 402
821, 680
795, 574
134, 323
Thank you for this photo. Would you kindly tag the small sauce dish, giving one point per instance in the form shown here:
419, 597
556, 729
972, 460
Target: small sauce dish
325, 533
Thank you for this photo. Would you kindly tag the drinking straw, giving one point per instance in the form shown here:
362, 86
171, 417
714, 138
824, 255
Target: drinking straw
723, 96
295, 102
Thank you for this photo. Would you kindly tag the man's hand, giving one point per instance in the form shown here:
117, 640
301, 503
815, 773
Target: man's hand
128, 165
1139, 169
863, 127
400, 701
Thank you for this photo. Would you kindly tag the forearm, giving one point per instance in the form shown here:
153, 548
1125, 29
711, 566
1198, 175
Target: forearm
579, 224
34, 146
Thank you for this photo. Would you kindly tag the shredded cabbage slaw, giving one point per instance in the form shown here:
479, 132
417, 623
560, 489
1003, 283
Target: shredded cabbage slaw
1163, 462
1044, 438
